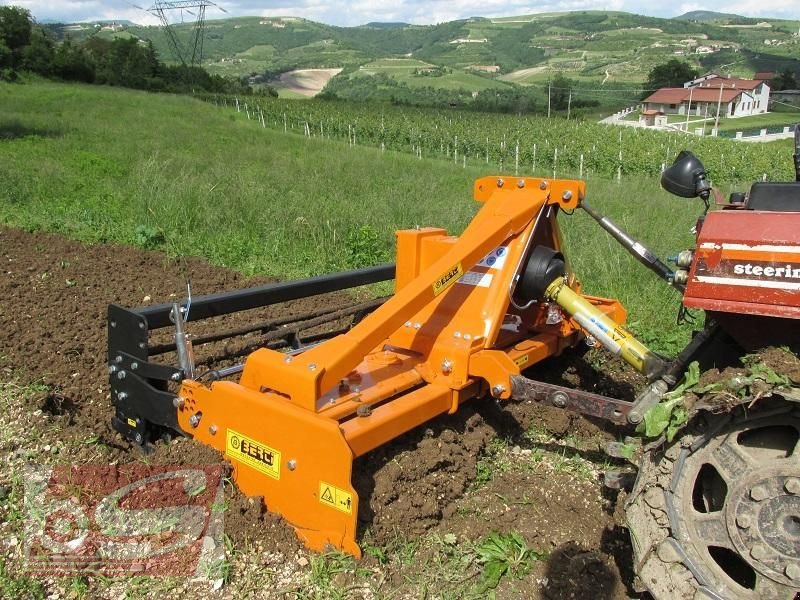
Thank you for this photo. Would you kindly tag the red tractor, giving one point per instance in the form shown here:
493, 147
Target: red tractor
716, 513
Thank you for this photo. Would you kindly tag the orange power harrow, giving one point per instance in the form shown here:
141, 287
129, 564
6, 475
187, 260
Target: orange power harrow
469, 313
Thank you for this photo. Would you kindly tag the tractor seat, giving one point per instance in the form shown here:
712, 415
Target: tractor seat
776, 197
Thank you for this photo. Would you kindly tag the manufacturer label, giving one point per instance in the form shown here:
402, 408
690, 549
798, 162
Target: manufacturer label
332, 496
447, 279
522, 360
131, 423
254, 454
476, 279
496, 259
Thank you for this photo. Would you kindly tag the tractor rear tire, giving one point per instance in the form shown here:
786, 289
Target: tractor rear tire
716, 513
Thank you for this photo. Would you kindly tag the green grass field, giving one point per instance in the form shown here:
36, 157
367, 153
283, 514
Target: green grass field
103, 164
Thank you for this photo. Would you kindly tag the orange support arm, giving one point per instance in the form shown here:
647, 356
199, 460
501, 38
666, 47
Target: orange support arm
507, 211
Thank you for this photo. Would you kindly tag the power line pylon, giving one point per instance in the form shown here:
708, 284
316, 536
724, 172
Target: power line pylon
190, 54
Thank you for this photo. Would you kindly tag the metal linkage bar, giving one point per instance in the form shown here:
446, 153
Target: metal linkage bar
587, 403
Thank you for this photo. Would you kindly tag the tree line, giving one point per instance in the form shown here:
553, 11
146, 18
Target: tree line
25, 46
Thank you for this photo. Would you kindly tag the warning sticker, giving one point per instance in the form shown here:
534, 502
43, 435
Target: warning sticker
254, 454
496, 259
332, 496
447, 279
476, 279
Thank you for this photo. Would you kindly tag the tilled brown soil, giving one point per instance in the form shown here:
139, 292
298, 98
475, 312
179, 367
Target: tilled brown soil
55, 293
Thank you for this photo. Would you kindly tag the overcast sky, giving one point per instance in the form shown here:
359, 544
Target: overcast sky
358, 12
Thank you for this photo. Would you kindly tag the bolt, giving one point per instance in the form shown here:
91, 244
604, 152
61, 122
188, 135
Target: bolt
759, 493
113, 323
121, 375
178, 402
567, 195
417, 325
138, 437
498, 390
142, 345
291, 464
456, 334
559, 399
287, 360
122, 395
744, 521
520, 183
134, 366
112, 369
467, 337
792, 571
118, 358
447, 366
312, 366
141, 325
792, 485
408, 323
759, 551
500, 183
194, 420
212, 430
176, 376
543, 185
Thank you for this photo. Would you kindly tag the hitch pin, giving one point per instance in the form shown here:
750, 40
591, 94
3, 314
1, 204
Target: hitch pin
183, 345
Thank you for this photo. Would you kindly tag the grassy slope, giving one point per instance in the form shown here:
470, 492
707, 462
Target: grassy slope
98, 163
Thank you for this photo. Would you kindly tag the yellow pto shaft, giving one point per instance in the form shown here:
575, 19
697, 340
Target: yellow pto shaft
614, 337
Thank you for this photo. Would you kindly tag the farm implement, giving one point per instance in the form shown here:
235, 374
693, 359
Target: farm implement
714, 513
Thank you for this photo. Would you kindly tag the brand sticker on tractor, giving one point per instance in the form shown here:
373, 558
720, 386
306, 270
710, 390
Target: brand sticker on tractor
330, 495
522, 360
447, 279
131, 422
254, 454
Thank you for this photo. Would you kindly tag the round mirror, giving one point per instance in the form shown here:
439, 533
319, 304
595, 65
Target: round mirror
686, 177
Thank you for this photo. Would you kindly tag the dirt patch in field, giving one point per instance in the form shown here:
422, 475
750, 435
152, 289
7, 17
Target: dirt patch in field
307, 82
53, 317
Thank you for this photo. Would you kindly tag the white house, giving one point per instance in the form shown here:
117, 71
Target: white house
702, 96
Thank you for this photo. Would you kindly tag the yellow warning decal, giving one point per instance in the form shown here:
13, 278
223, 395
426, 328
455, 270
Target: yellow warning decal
447, 279
522, 360
618, 334
254, 454
330, 495
131, 422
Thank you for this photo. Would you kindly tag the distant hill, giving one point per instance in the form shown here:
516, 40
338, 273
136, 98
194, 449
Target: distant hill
599, 49
389, 25
707, 15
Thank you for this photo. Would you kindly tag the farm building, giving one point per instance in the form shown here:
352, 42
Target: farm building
735, 97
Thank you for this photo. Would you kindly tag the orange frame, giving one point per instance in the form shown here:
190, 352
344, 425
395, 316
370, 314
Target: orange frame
291, 426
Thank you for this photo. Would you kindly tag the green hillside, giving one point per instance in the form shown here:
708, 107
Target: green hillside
706, 15
612, 48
